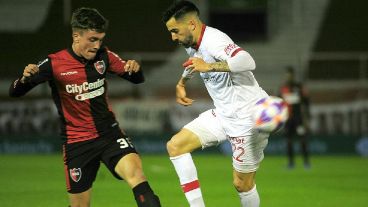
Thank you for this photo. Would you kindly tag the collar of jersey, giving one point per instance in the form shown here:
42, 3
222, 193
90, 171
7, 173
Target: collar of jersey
200, 37
75, 56
82, 59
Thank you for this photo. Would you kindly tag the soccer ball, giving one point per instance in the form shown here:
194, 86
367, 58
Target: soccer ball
270, 114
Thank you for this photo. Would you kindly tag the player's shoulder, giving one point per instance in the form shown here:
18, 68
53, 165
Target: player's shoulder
59, 55
212, 33
212, 30
214, 38
108, 51
46, 61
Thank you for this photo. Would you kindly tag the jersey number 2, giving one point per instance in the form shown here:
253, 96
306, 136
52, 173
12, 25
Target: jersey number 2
239, 151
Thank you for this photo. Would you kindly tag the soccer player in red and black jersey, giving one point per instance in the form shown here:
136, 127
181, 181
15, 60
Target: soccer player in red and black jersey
296, 97
77, 78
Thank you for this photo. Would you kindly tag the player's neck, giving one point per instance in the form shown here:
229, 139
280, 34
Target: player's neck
198, 31
197, 34
75, 50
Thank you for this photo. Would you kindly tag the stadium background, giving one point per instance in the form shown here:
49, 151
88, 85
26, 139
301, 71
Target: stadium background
325, 40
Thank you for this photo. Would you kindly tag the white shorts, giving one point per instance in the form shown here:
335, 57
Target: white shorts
247, 150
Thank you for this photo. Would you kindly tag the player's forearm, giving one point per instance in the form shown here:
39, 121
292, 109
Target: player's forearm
17, 88
242, 61
219, 67
182, 81
135, 78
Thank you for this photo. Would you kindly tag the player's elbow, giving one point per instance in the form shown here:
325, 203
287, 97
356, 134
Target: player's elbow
137, 80
241, 62
13, 93
252, 64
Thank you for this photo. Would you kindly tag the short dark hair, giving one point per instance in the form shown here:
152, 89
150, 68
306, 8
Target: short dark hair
179, 9
89, 18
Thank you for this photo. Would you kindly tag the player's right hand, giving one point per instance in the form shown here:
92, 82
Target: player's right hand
187, 63
181, 96
29, 71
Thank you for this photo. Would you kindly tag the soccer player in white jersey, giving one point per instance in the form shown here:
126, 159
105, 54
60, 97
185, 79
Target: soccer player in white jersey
226, 71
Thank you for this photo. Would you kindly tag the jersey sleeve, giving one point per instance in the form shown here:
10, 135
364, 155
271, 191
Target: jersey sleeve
44, 74
116, 64
224, 49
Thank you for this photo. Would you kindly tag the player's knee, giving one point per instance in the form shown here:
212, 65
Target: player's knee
80, 205
172, 148
182, 143
79, 202
243, 185
134, 177
130, 168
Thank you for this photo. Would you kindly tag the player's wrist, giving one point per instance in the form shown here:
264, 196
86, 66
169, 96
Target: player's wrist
180, 85
22, 79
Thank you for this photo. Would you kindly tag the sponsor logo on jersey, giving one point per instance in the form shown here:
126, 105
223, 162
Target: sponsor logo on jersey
75, 174
69, 73
230, 48
86, 90
90, 95
100, 66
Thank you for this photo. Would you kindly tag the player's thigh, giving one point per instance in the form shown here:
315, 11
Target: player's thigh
129, 167
80, 199
183, 142
248, 151
81, 163
204, 131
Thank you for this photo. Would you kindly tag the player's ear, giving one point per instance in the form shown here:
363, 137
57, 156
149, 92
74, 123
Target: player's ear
76, 37
192, 25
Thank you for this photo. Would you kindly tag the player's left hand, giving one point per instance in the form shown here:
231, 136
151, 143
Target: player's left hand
131, 66
181, 96
198, 65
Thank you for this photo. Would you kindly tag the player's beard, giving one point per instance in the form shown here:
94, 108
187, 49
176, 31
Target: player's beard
188, 42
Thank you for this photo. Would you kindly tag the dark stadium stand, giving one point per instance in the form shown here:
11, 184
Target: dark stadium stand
145, 33
344, 29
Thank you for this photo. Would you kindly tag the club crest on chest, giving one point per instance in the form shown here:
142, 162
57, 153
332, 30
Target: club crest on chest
100, 66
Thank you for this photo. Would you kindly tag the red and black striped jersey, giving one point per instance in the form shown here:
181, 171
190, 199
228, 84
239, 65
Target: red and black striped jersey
297, 100
79, 91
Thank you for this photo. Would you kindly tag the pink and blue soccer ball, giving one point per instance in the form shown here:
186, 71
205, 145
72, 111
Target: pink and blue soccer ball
270, 114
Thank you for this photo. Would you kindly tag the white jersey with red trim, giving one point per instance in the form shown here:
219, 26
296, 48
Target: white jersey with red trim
234, 93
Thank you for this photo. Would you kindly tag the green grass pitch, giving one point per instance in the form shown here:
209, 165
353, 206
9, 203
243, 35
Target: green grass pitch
38, 180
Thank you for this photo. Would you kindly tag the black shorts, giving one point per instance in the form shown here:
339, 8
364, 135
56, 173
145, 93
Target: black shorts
82, 159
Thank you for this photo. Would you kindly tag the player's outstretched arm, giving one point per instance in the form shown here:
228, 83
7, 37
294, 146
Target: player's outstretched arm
32, 75
24, 84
